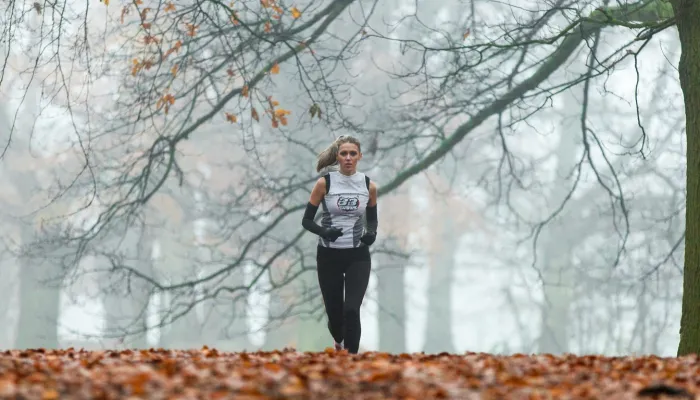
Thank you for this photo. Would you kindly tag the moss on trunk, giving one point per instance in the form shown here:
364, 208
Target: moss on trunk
688, 15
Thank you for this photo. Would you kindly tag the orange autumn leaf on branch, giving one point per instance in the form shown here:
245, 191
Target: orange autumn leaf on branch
280, 115
254, 114
192, 29
176, 48
166, 101
144, 15
295, 12
139, 65
274, 6
275, 69
244, 91
234, 18
150, 39
231, 118
169, 7
136, 67
125, 11
280, 112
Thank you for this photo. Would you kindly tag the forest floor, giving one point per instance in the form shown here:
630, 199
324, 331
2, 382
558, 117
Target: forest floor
209, 374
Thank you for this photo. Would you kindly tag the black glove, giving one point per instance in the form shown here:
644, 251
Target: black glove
331, 234
308, 223
368, 238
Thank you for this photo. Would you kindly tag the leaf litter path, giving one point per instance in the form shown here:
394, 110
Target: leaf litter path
209, 374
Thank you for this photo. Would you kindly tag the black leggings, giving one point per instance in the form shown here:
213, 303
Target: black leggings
344, 270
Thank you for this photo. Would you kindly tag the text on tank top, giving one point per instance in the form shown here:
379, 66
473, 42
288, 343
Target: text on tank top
344, 207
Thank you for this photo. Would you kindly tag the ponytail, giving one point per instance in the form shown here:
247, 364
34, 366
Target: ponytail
327, 157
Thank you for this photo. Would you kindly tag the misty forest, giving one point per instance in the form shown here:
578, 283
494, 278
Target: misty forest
157, 156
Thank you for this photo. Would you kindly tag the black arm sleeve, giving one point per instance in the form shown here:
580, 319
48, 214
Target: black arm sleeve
372, 222
308, 221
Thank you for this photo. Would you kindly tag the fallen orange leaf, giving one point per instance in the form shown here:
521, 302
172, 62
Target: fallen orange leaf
212, 374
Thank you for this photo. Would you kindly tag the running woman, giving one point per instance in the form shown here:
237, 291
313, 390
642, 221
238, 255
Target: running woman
342, 256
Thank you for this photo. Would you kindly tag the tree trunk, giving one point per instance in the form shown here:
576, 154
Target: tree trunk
174, 265
225, 318
555, 245
9, 303
438, 336
393, 234
39, 301
283, 326
391, 300
687, 16
174, 213
312, 334
558, 296
126, 300
311, 329
283, 329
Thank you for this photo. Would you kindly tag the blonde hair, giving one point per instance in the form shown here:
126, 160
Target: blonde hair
329, 156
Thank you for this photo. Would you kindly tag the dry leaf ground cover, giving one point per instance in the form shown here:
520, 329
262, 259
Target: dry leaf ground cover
209, 374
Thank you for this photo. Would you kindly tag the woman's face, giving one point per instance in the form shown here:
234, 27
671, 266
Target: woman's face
348, 156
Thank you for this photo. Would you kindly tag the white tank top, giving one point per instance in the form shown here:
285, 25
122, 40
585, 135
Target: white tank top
343, 207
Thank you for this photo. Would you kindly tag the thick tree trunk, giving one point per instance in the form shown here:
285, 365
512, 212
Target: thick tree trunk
39, 301
174, 266
558, 295
393, 232
687, 16
126, 302
39, 309
283, 325
312, 334
555, 244
391, 299
312, 329
225, 318
9, 302
174, 213
438, 335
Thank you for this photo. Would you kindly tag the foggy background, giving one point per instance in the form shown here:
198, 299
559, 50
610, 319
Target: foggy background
555, 225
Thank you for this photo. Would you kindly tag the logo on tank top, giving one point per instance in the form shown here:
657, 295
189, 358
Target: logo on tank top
348, 203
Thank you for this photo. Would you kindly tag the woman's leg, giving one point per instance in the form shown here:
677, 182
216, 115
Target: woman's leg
356, 280
330, 280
